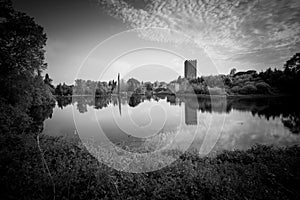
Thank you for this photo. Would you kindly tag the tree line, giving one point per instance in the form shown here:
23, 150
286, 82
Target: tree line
268, 82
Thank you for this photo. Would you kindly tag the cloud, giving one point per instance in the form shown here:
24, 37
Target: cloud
228, 30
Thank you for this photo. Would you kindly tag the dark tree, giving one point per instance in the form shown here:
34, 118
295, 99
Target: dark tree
47, 80
293, 65
22, 44
149, 86
132, 84
232, 72
134, 100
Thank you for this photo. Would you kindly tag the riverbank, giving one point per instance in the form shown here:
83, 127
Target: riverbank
65, 169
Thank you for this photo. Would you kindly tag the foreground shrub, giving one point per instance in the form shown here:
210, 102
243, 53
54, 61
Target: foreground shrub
259, 173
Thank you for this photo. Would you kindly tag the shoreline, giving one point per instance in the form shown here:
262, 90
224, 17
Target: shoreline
188, 95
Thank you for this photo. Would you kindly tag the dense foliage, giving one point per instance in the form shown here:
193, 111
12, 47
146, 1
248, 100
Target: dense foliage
64, 90
259, 173
270, 82
22, 86
43, 167
98, 88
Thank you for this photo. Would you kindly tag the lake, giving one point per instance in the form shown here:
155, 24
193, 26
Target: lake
206, 124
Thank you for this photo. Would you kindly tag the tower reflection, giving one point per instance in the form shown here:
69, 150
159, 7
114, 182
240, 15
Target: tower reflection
190, 113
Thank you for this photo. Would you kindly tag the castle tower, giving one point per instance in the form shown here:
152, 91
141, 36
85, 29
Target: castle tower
190, 69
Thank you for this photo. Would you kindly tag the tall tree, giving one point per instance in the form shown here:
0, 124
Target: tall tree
47, 80
132, 84
293, 64
22, 58
232, 72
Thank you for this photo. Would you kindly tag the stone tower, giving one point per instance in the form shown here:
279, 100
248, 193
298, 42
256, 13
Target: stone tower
190, 69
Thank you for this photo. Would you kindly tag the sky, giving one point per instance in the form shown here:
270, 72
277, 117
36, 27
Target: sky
150, 39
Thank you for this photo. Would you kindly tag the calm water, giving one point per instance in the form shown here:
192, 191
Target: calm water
207, 124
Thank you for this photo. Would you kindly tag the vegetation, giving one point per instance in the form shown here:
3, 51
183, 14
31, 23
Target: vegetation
98, 88
285, 108
259, 173
42, 167
22, 86
64, 90
269, 82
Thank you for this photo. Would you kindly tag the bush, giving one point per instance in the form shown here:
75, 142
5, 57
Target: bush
259, 173
216, 91
235, 89
248, 89
263, 88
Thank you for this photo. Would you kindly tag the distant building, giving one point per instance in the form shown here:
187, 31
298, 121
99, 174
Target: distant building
190, 69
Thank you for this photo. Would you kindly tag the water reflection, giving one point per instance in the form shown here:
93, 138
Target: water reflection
63, 101
134, 100
190, 115
139, 120
270, 108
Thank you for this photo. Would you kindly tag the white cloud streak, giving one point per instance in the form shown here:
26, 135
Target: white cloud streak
228, 30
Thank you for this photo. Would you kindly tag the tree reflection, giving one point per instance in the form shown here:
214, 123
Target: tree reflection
102, 102
292, 122
285, 108
134, 100
82, 102
63, 101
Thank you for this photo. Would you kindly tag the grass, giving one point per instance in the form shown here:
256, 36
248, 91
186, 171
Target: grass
262, 172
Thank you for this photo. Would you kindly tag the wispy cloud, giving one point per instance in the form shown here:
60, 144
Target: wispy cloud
262, 32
